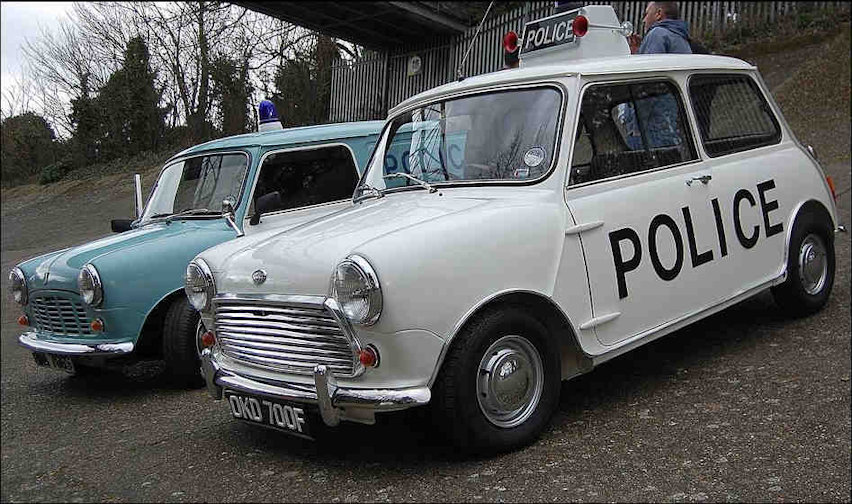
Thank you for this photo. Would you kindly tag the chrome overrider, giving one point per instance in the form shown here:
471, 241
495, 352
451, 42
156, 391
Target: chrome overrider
30, 341
331, 399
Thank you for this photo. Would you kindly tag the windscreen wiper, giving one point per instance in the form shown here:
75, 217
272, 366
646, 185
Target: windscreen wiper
193, 211
411, 177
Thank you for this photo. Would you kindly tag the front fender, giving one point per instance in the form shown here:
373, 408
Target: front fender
138, 279
435, 273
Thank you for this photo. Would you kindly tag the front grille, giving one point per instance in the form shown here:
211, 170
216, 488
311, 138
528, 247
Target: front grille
60, 314
288, 338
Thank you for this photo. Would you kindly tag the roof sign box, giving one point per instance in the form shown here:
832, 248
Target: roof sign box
556, 39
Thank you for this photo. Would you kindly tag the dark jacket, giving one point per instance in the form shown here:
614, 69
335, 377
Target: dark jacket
666, 36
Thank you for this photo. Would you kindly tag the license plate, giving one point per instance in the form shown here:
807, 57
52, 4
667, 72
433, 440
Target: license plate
59, 362
279, 415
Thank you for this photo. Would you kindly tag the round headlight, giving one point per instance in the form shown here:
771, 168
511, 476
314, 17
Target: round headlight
18, 286
91, 288
199, 286
355, 287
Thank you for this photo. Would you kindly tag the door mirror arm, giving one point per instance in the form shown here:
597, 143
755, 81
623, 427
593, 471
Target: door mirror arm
228, 212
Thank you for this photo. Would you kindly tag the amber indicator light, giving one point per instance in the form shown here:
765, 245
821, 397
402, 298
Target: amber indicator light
97, 325
208, 339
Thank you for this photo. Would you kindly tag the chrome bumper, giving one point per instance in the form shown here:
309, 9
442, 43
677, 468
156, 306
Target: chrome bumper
331, 399
29, 341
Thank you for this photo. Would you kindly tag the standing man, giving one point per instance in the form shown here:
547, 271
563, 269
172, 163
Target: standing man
665, 32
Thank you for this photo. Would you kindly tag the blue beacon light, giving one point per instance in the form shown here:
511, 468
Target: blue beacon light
268, 117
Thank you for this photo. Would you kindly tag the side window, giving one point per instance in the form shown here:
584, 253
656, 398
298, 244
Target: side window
629, 128
732, 114
307, 177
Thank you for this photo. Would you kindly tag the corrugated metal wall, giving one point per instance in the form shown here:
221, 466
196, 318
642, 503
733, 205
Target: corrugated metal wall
363, 90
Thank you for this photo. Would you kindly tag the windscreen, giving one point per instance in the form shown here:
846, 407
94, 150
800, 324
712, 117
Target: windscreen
498, 136
197, 184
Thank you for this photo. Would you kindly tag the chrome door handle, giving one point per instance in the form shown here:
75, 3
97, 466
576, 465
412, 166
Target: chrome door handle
704, 179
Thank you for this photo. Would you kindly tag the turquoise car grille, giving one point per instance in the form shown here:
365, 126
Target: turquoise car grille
60, 314
290, 339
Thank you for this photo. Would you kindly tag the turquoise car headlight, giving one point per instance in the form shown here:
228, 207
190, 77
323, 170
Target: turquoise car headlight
18, 286
91, 288
199, 285
355, 287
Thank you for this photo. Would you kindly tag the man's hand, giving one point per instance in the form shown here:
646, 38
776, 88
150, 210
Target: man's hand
634, 41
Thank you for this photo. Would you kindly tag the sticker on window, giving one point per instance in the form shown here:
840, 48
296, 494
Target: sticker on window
521, 172
534, 157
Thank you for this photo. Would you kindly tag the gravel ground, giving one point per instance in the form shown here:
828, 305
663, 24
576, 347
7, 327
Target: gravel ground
746, 405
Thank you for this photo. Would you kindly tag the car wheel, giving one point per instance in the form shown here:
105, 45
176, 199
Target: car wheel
499, 384
180, 347
810, 268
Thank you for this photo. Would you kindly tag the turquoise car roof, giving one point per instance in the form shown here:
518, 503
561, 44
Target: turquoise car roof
298, 135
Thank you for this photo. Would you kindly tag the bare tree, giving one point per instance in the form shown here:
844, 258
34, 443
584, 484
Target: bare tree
18, 97
184, 39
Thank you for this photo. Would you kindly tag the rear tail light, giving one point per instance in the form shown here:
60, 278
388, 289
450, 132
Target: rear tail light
581, 26
831, 186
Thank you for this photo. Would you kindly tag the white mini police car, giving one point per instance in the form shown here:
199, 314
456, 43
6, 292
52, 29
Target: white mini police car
516, 229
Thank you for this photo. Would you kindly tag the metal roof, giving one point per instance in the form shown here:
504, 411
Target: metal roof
376, 25
646, 63
291, 136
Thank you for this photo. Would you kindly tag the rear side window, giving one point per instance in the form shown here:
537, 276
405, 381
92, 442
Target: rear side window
629, 128
732, 114
307, 177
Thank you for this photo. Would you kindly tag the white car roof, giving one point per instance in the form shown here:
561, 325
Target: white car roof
596, 66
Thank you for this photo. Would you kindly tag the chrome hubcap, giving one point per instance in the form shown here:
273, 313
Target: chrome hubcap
510, 381
813, 267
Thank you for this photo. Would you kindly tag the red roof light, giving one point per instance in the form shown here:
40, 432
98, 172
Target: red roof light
510, 41
581, 26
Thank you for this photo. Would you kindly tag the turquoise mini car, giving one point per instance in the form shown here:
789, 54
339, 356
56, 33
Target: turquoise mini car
121, 298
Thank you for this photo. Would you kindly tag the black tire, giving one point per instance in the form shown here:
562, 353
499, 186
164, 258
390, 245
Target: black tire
455, 405
179, 346
793, 296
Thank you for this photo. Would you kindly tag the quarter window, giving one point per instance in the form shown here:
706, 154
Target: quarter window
732, 114
307, 177
629, 128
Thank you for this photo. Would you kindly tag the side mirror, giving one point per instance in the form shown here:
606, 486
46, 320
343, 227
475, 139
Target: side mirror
120, 225
266, 203
228, 212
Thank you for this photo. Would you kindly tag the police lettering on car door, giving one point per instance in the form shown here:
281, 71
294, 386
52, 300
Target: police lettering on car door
747, 238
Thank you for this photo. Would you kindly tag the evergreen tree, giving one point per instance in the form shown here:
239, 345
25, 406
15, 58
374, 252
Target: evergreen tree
88, 127
231, 92
303, 84
27, 146
129, 106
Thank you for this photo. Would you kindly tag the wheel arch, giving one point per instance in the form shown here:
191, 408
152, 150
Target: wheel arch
573, 361
808, 207
150, 341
